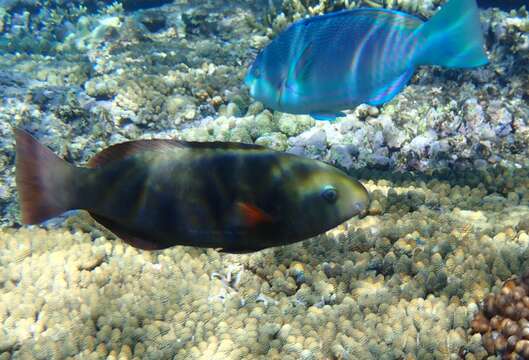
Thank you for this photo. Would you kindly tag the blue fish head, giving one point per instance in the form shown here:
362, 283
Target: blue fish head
265, 84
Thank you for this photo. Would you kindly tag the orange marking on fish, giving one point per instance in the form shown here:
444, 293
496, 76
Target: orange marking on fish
252, 215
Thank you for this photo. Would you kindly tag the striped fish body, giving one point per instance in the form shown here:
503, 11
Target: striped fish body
329, 63
182, 196
349, 69
155, 194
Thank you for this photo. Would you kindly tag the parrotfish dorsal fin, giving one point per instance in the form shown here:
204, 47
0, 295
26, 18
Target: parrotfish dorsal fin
129, 148
220, 145
130, 239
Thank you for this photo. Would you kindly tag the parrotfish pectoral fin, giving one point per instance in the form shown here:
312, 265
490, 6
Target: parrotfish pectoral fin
250, 215
390, 90
44, 181
303, 65
453, 37
327, 116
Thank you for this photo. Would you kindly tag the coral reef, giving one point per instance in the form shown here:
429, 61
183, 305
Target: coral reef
296, 9
404, 281
503, 321
445, 163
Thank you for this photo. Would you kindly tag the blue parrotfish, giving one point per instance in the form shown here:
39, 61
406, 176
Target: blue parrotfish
159, 193
325, 64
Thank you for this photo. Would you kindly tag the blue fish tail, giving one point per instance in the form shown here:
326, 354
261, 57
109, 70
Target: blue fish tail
452, 38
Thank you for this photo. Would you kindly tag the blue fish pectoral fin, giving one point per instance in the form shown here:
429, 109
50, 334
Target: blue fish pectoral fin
391, 89
302, 66
327, 116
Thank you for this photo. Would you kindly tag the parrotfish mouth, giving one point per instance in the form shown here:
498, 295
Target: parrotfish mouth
248, 81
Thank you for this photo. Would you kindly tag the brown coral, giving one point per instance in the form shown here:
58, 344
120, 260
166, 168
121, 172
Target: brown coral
503, 320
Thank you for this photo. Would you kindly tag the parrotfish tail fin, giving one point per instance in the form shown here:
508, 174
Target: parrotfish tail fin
453, 37
43, 180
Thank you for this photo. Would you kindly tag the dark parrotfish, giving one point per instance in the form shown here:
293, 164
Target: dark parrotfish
329, 63
155, 194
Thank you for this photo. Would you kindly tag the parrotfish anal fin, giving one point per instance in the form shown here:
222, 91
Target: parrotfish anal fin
238, 250
327, 116
132, 240
123, 150
304, 64
390, 90
250, 215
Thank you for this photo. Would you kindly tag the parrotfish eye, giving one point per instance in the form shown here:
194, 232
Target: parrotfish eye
256, 72
330, 194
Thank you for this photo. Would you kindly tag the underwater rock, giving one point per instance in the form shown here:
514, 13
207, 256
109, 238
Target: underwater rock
421, 143
181, 108
101, 88
311, 143
343, 155
275, 140
292, 125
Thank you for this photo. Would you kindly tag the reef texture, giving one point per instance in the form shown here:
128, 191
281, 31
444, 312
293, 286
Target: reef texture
445, 163
504, 320
404, 282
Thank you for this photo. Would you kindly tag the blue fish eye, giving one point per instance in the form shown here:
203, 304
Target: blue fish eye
330, 194
256, 72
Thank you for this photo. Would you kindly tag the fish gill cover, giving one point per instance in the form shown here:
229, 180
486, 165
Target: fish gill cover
427, 273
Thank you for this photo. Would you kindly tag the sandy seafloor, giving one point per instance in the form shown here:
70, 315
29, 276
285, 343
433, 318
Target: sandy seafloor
445, 163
